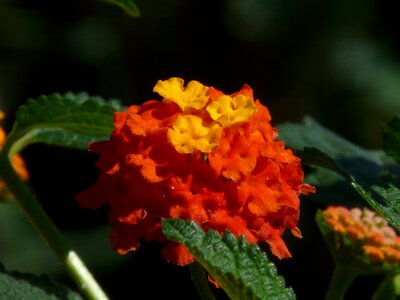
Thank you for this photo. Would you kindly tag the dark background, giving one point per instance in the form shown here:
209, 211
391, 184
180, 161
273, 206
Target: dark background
337, 61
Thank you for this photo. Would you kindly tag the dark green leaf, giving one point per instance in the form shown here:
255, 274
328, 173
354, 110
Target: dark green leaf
128, 6
391, 138
371, 173
243, 271
22, 286
312, 135
332, 189
70, 120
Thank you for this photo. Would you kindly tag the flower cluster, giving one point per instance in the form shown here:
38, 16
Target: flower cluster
200, 155
366, 231
17, 163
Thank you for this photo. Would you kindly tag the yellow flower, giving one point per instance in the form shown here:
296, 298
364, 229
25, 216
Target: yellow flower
229, 110
195, 95
188, 133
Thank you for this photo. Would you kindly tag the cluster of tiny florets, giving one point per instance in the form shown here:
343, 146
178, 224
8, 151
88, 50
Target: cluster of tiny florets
201, 155
367, 231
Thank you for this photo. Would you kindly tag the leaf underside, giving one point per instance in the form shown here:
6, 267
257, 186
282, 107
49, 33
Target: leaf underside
23, 286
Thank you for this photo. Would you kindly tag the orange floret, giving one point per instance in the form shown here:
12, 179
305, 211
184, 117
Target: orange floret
199, 155
366, 231
16, 161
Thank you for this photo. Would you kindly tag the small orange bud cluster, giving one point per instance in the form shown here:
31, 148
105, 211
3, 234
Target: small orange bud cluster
366, 230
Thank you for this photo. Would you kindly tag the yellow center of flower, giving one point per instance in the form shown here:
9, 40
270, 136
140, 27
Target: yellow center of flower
195, 95
188, 133
229, 111
192, 130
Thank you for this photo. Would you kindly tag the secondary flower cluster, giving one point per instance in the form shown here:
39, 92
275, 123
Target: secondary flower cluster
16, 161
366, 230
201, 155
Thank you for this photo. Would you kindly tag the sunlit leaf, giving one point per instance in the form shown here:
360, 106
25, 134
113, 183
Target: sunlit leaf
70, 120
242, 270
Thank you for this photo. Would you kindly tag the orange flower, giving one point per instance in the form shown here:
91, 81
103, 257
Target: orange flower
201, 155
16, 161
366, 231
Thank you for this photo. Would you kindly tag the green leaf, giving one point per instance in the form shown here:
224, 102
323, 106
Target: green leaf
391, 138
313, 135
332, 189
371, 173
23, 286
70, 120
243, 271
128, 6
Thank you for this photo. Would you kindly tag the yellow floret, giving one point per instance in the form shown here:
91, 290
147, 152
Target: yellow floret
188, 133
195, 95
229, 111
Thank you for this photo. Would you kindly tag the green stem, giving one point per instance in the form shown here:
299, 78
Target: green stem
200, 280
342, 278
389, 288
35, 213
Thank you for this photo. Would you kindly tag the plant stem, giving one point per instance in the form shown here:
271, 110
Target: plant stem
51, 234
201, 282
342, 278
389, 288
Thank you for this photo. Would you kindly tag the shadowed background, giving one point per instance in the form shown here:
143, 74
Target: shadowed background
336, 61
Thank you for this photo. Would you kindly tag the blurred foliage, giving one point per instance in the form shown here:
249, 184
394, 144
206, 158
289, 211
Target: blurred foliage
320, 57
31, 254
391, 138
128, 6
334, 60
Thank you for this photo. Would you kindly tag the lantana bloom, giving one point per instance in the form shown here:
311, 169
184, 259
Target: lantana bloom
199, 155
366, 232
16, 161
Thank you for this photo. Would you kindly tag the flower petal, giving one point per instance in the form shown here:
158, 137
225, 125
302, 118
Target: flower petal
195, 95
229, 111
189, 133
